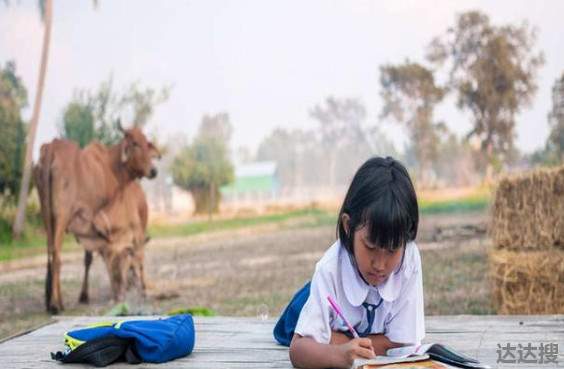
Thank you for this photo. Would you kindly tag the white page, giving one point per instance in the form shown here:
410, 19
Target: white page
406, 351
381, 360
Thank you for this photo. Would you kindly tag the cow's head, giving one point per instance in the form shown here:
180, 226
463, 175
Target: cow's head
137, 153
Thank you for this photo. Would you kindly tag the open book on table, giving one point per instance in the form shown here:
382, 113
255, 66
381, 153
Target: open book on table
432, 355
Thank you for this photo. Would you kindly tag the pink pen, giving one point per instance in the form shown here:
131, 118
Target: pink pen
339, 313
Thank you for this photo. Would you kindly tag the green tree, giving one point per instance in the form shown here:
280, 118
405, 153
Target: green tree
13, 97
293, 152
141, 102
340, 125
204, 166
216, 126
555, 143
78, 123
104, 105
493, 71
410, 95
94, 114
553, 151
46, 10
455, 166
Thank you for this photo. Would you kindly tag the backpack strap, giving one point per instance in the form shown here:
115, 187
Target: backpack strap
99, 352
131, 355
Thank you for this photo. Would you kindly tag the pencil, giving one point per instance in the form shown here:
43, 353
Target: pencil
337, 310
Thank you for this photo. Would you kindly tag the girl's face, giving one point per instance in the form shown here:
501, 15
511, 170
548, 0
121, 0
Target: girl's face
374, 263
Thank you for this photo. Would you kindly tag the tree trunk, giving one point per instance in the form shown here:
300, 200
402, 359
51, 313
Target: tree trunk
488, 179
24, 189
203, 200
211, 204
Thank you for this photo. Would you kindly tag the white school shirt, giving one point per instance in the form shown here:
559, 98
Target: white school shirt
400, 316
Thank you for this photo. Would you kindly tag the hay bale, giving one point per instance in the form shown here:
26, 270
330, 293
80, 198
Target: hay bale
528, 211
527, 282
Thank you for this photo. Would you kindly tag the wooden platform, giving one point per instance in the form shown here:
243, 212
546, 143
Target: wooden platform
223, 342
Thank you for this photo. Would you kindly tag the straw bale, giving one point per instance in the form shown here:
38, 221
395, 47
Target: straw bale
528, 211
527, 282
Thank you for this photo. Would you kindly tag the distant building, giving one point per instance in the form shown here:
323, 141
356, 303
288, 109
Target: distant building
256, 181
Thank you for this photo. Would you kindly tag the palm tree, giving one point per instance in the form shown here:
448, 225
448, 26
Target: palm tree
46, 7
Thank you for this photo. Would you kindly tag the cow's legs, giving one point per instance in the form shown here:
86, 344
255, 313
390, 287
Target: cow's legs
142, 280
112, 261
140, 261
49, 281
56, 300
43, 182
123, 266
49, 276
87, 262
121, 287
139, 276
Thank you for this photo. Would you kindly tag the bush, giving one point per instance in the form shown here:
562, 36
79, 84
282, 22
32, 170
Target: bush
5, 231
34, 222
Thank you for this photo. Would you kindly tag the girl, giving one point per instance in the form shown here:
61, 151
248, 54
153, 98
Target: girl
373, 272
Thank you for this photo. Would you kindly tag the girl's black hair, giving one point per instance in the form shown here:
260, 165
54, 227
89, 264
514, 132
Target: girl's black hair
382, 197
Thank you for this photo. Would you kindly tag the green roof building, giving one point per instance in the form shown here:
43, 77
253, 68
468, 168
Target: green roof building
253, 181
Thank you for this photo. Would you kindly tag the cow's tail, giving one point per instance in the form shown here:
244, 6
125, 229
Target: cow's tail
42, 174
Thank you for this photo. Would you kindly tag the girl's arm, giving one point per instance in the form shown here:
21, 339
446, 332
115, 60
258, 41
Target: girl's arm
307, 353
380, 343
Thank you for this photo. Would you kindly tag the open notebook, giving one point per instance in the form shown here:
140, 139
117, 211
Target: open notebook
433, 355
424, 364
385, 361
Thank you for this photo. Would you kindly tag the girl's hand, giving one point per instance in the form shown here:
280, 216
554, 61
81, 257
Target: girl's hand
357, 348
339, 338
381, 343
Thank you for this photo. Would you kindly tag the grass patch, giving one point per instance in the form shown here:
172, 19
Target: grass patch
19, 289
456, 280
33, 234
313, 217
474, 202
32, 246
263, 305
33, 241
22, 323
194, 311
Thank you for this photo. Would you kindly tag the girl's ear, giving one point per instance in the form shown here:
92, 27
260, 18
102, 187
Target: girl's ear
346, 222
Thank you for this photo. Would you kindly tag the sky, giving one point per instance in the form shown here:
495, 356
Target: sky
266, 63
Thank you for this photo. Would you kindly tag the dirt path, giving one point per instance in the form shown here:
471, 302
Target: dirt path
244, 272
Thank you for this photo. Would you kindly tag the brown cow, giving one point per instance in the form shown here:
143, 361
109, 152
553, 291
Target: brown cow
74, 184
121, 227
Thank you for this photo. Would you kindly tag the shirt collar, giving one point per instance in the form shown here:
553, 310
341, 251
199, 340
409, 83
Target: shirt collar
357, 289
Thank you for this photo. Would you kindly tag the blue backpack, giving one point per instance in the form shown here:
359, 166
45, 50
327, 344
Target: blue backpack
286, 325
136, 341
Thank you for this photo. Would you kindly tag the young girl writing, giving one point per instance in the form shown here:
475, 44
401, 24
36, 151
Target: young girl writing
372, 272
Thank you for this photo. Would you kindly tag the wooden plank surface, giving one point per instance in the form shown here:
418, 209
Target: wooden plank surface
224, 342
